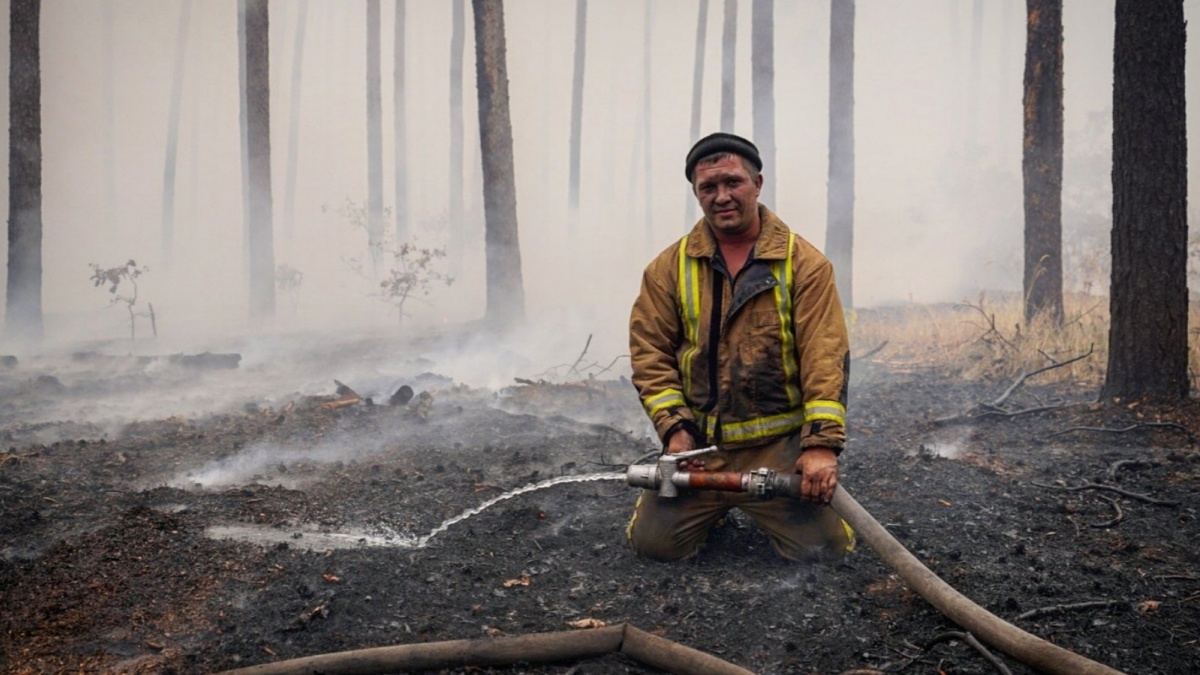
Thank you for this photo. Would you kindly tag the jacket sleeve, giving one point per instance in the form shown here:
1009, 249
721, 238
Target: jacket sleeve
654, 338
823, 350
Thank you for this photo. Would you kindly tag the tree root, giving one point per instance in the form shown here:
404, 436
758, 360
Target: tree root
1120, 515
1059, 609
1097, 486
974, 644
1122, 430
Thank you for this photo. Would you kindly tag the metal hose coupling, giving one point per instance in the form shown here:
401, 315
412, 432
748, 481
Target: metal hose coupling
665, 477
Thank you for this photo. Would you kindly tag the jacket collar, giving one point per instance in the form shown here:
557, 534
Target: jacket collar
771, 245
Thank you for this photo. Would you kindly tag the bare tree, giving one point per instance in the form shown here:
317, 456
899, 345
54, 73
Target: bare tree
728, 66
400, 123
23, 296
577, 110
1148, 350
762, 83
1043, 159
289, 189
169, 165
697, 95
374, 138
457, 228
261, 253
505, 289
839, 224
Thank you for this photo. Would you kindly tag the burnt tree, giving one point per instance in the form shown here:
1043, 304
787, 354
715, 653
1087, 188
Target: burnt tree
728, 66
1042, 164
697, 96
374, 139
400, 123
505, 289
170, 163
23, 296
839, 216
1147, 344
257, 95
456, 228
762, 84
577, 109
289, 189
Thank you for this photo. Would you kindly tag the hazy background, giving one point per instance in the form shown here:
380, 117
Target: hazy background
938, 215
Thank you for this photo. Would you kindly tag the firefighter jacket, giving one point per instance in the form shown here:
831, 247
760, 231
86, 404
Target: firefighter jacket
746, 363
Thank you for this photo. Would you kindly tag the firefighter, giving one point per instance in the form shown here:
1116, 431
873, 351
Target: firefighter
737, 339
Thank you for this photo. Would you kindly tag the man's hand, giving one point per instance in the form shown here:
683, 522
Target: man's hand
818, 469
682, 441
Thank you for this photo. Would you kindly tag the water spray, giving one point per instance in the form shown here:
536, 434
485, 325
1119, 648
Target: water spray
665, 477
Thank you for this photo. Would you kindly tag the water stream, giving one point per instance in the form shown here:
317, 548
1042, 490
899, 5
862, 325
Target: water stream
315, 539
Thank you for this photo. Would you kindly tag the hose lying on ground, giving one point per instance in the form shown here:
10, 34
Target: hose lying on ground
1026, 648
504, 651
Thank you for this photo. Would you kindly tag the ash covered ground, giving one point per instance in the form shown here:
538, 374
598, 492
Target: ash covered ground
270, 525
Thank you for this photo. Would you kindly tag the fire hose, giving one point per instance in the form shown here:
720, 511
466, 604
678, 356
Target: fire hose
667, 479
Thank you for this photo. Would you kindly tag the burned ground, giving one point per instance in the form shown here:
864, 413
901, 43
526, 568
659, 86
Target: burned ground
110, 564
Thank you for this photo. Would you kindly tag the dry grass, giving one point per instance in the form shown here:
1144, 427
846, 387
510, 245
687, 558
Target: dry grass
986, 339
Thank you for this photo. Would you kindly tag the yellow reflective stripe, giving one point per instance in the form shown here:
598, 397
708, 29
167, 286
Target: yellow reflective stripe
783, 303
825, 410
851, 538
671, 398
689, 300
762, 427
632, 519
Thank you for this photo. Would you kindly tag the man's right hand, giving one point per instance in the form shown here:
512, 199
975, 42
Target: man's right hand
682, 441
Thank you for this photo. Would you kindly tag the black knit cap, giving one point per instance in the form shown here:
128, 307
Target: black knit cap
721, 142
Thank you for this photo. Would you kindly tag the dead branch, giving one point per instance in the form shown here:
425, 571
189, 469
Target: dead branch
1026, 375
1097, 486
1131, 463
1014, 413
991, 319
1122, 430
581, 355
872, 352
974, 643
340, 403
1059, 609
1120, 515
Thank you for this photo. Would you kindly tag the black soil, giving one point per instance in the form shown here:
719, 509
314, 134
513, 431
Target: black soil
107, 566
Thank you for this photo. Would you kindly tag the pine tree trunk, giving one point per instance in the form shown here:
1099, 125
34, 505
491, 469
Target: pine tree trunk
289, 190
1148, 350
374, 139
697, 97
839, 224
400, 124
457, 229
762, 82
23, 296
505, 289
577, 110
728, 66
258, 134
1043, 160
169, 165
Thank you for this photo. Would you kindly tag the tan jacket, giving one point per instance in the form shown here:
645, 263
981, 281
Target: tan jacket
745, 379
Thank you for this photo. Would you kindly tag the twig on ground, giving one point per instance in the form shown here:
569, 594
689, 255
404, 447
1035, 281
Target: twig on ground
974, 643
1132, 427
581, 354
1131, 463
1025, 376
872, 352
1059, 609
1120, 515
1097, 486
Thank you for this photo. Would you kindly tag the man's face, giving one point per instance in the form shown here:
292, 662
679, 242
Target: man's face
728, 196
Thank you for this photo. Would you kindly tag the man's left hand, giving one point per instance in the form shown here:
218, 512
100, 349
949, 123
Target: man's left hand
818, 469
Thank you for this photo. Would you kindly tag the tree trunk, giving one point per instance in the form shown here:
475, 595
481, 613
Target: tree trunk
258, 134
1148, 350
505, 289
400, 125
577, 110
457, 229
108, 107
244, 134
289, 190
647, 120
374, 139
1043, 160
762, 82
839, 224
728, 65
697, 96
23, 296
169, 165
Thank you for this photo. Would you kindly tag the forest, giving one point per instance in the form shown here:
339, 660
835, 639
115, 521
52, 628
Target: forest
315, 347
